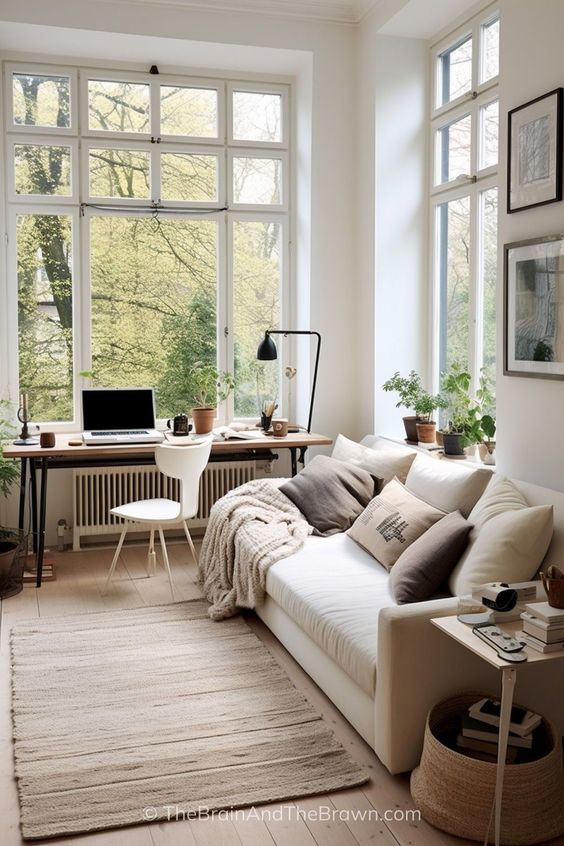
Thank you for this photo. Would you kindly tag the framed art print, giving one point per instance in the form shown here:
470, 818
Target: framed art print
534, 308
534, 155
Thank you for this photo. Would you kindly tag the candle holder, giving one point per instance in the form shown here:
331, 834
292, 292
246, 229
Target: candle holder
23, 416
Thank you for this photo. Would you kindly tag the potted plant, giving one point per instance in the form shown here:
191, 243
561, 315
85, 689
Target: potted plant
425, 405
486, 400
408, 388
209, 385
9, 473
463, 428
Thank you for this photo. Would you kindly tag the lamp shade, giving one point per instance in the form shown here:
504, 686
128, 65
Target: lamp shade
267, 349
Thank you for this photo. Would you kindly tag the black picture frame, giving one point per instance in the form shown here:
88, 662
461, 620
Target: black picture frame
534, 153
533, 316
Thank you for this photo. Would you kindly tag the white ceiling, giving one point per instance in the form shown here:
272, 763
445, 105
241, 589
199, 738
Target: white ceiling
341, 11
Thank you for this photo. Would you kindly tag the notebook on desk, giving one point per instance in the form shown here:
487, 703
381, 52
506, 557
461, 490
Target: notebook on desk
119, 416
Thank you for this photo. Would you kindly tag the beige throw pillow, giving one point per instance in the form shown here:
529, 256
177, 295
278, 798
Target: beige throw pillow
391, 522
500, 496
385, 463
507, 548
448, 487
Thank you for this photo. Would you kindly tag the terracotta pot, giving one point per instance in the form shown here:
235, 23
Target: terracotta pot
203, 419
452, 442
426, 432
410, 424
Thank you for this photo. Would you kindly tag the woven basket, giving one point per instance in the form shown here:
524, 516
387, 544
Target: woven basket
456, 793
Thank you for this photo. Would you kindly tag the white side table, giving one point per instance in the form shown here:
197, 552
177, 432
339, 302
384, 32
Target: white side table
463, 634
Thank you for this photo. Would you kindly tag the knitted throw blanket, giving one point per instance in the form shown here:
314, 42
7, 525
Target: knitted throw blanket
249, 529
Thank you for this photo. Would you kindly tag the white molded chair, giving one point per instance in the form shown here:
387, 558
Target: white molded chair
186, 463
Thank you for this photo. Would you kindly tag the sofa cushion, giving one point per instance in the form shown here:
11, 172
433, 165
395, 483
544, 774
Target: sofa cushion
382, 461
507, 548
500, 496
334, 590
425, 566
391, 522
445, 486
331, 494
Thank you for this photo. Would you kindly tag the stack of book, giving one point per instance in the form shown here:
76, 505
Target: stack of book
479, 731
543, 627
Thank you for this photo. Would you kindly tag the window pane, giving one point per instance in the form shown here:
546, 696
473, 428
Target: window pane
118, 173
257, 181
489, 130
41, 169
256, 116
453, 220
189, 111
188, 177
118, 106
256, 307
453, 150
153, 304
41, 100
489, 276
490, 51
454, 72
44, 261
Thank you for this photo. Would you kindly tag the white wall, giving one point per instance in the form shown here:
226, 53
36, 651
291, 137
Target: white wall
392, 231
326, 262
529, 411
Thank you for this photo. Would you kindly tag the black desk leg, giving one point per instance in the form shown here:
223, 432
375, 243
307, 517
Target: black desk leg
42, 510
23, 484
294, 459
33, 494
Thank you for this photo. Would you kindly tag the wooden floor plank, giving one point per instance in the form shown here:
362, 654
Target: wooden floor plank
288, 829
359, 816
323, 823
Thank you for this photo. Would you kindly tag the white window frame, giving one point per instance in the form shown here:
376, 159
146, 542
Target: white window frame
81, 144
471, 185
249, 153
24, 139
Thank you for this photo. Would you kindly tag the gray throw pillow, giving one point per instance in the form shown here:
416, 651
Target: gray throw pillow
331, 494
424, 567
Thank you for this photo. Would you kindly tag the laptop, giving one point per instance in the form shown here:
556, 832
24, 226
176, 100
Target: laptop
119, 416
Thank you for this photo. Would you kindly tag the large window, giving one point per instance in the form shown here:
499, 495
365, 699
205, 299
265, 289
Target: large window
464, 127
148, 232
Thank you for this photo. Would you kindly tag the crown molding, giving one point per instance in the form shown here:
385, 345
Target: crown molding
332, 11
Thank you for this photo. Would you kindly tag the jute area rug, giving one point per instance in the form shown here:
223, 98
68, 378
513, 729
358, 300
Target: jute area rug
119, 712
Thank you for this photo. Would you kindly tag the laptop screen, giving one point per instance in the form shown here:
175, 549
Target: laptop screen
116, 409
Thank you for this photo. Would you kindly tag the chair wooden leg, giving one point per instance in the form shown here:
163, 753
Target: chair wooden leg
152, 555
190, 543
115, 560
165, 559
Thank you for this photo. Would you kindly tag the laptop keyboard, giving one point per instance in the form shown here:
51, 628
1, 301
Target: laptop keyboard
119, 433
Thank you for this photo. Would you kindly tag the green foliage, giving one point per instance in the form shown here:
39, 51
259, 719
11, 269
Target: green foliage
9, 469
209, 385
425, 404
471, 417
408, 388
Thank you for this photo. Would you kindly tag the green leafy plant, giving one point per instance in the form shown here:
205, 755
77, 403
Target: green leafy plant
464, 413
425, 404
209, 385
9, 470
485, 398
408, 388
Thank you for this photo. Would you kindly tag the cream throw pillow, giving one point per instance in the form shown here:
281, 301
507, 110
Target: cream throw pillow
384, 463
500, 496
446, 487
507, 548
391, 522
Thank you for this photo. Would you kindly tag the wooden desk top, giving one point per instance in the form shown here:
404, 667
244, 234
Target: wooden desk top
465, 636
62, 448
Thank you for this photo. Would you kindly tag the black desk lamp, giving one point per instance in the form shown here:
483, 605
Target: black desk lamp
267, 352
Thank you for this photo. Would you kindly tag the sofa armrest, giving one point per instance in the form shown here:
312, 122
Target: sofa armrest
417, 666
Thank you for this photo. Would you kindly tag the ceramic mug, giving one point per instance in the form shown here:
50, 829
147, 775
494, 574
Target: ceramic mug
179, 425
554, 591
47, 439
280, 427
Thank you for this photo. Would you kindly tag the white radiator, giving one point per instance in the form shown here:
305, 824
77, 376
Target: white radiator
96, 490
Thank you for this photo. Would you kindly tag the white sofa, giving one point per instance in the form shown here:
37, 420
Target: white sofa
382, 664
